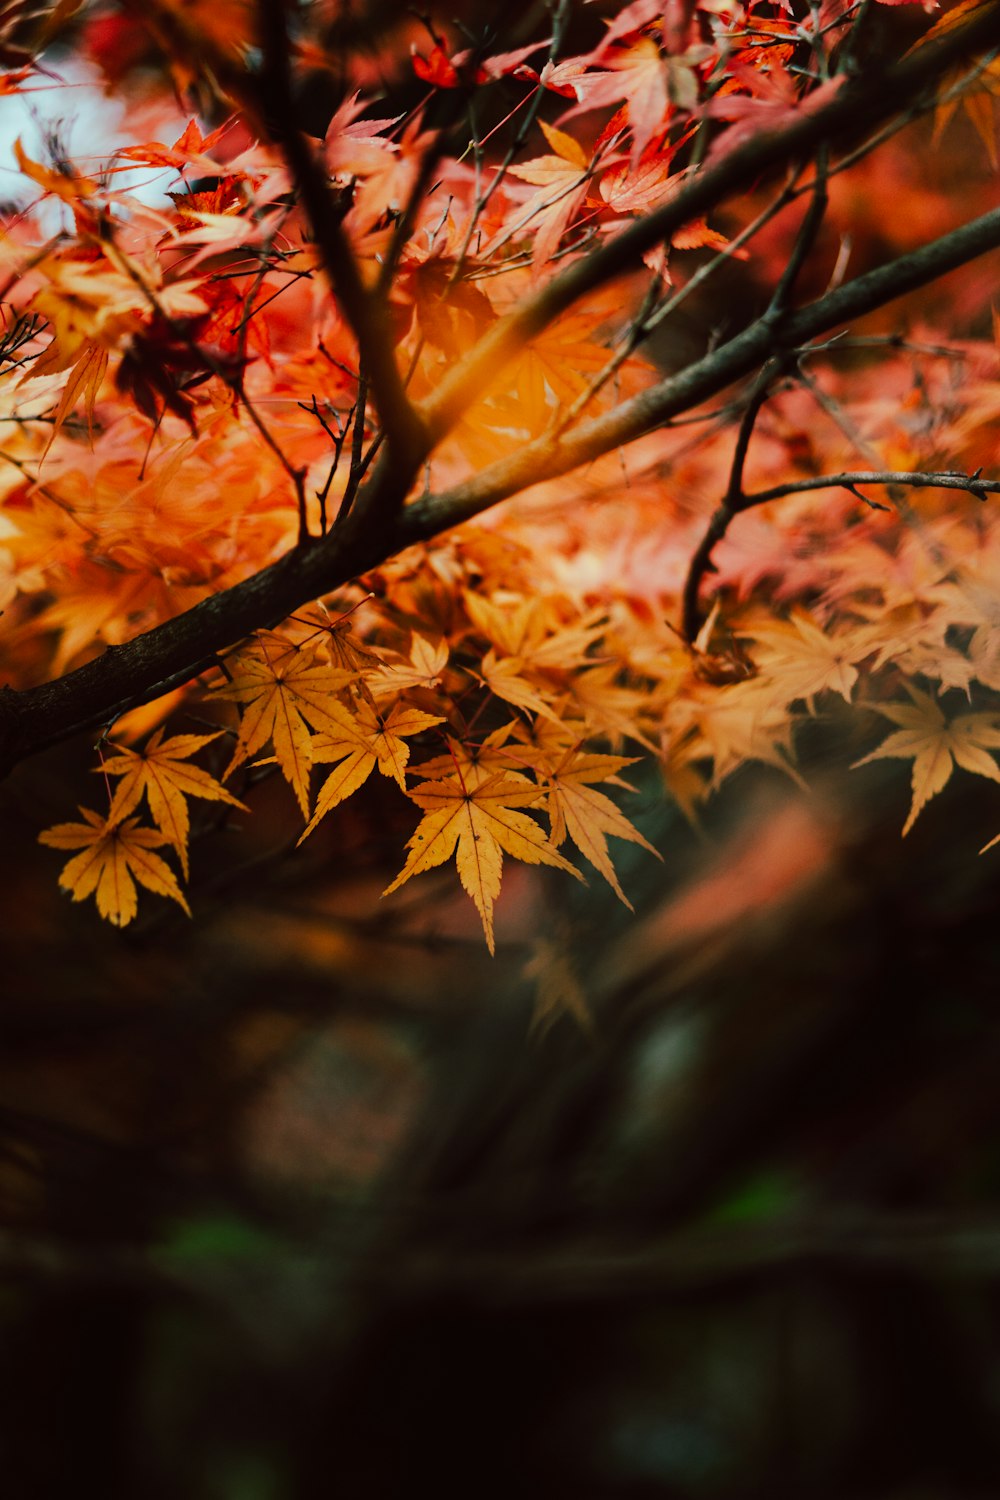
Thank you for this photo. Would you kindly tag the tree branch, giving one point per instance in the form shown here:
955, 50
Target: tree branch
723, 517
943, 479
857, 106
543, 460
173, 653
272, 95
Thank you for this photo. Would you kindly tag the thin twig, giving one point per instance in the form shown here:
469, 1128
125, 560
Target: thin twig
944, 479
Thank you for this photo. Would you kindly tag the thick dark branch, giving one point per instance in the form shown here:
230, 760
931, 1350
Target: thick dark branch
273, 95
173, 653
856, 107
178, 650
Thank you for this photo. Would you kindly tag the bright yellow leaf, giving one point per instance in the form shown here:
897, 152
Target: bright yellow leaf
112, 853
287, 692
576, 808
362, 740
160, 773
481, 823
937, 745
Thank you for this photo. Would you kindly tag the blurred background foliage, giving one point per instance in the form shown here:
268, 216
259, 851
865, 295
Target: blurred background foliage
311, 1194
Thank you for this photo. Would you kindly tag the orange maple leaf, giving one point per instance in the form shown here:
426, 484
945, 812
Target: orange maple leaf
426, 661
576, 808
803, 660
562, 179
362, 740
553, 369
64, 184
86, 378
111, 854
160, 774
482, 823
937, 745
287, 692
225, 26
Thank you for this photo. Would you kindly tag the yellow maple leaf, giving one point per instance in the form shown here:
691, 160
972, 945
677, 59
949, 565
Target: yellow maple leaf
475, 763
111, 854
160, 773
558, 990
533, 630
937, 745
576, 808
481, 822
426, 661
803, 660
287, 692
610, 707
736, 723
507, 678
362, 740
96, 302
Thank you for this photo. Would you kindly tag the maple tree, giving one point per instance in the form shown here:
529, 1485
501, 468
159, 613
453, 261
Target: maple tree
370, 444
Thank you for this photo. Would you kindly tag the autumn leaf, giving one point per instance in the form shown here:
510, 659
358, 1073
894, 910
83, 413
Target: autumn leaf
551, 369
736, 723
226, 26
89, 302
189, 150
347, 651
362, 740
482, 824
287, 692
475, 762
558, 988
63, 183
423, 668
112, 853
506, 678
586, 815
653, 87
562, 179
86, 379
160, 773
804, 660
937, 745
531, 630
609, 706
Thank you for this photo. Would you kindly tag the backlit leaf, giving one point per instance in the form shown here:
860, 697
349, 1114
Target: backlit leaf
113, 856
161, 773
937, 745
478, 825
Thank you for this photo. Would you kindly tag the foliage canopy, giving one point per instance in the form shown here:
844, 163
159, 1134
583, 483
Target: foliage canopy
479, 407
